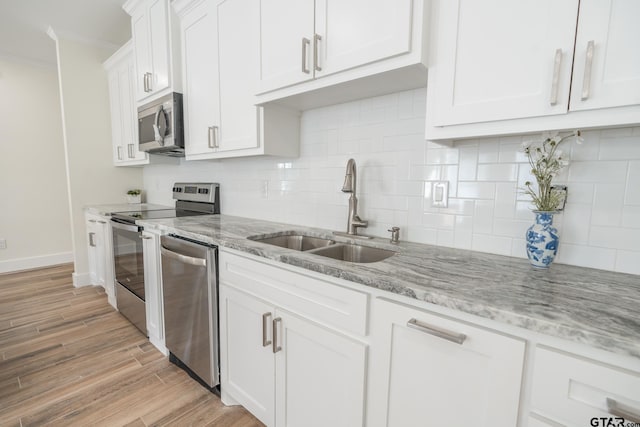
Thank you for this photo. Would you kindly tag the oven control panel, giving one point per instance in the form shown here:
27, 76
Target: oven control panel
196, 192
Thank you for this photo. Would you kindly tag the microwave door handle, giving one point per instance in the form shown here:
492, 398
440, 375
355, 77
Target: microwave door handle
158, 136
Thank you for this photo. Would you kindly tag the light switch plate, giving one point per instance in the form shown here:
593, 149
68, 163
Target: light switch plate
440, 194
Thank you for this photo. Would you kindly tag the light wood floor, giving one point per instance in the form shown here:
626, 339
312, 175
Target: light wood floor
68, 358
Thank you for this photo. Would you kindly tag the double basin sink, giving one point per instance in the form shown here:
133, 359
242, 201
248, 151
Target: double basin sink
326, 247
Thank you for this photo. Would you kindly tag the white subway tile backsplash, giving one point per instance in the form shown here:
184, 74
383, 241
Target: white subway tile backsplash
396, 168
498, 172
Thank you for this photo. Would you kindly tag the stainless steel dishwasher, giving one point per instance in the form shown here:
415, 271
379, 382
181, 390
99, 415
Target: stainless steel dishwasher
190, 295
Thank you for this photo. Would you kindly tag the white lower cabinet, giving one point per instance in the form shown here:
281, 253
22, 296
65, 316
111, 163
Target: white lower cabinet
285, 368
433, 371
99, 248
572, 390
153, 289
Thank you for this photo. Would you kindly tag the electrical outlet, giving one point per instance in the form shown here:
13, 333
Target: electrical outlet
562, 190
265, 189
3, 243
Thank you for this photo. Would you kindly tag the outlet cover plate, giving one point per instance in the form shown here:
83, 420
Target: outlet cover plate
440, 194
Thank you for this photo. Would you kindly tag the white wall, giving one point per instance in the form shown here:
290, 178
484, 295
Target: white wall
600, 227
85, 110
34, 218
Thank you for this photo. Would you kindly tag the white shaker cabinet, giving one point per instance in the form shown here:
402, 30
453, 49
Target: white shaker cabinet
124, 123
500, 67
304, 42
220, 72
100, 252
279, 359
607, 58
440, 371
155, 46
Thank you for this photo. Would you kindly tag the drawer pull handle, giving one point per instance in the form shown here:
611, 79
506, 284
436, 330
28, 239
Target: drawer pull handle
621, 410
586, 83
556, 77
276, 347
440, 333
265, 341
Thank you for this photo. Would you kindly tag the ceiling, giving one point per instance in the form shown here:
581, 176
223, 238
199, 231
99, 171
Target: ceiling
23, 25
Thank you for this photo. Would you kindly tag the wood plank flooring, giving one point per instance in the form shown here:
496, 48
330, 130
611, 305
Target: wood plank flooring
67, 358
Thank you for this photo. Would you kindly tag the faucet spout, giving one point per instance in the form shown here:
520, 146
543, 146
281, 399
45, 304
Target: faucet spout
353, 220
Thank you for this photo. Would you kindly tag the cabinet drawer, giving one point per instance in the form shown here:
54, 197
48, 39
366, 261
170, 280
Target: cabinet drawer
309, 297
572, 390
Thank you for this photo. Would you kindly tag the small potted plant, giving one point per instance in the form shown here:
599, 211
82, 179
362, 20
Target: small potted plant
546, 162
134, 196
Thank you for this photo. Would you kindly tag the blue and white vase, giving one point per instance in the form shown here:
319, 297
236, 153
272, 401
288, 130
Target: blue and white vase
542, 240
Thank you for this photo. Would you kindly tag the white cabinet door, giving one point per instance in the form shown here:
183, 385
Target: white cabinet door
201, 83
286, 42
116, 116
320, 375
238, 55
500, 59
247, 366
417, 376
159, 44
357, 32
607, 58
142, 51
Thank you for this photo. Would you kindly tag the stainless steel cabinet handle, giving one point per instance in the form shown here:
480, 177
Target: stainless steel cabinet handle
212, 137
305, 47
130, 150
276, 348
147, 82
92, 239
92, 220
102, 222
316, 48
200, 262
119, 153
621, 410
588, 65
265, 341
440, 333
556, 77
146, 237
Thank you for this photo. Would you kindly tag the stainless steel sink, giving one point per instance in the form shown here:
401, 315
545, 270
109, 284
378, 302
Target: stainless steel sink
354, 253
295, 241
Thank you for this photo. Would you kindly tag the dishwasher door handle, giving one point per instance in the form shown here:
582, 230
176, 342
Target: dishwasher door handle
200, 262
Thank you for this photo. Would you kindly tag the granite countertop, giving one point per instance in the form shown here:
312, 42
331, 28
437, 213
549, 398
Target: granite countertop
593, 307
106, 210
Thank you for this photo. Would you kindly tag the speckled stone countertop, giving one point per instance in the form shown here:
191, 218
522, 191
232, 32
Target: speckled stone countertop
593, 307
105, 210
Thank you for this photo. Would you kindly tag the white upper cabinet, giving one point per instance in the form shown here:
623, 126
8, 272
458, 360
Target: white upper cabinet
500, 67
220, 75
155, 48
307, 45
500, 58
124, 123
607, 57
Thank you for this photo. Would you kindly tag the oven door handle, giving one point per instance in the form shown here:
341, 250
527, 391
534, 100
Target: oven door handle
126, 227
200, 262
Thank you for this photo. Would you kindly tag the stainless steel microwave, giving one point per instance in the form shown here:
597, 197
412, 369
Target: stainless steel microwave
161, 126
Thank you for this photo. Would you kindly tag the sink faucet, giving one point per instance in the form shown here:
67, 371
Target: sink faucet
353, 221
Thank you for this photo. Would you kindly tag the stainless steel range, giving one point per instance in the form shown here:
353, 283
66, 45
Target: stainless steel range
191, 199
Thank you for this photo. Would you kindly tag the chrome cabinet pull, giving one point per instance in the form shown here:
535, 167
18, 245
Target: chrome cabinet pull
146, 237
130, 150
588, 65
265, 341
119, 152
305, 46
316, 59
556, 77
276, 348
621, 410
147, 82
212, 139
92, 239
440, 333
102, 222
92, 220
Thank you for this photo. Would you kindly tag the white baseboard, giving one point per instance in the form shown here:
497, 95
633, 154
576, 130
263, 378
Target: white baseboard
35, 262
81, 279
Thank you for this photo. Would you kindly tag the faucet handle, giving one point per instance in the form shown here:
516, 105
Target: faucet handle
395, 234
